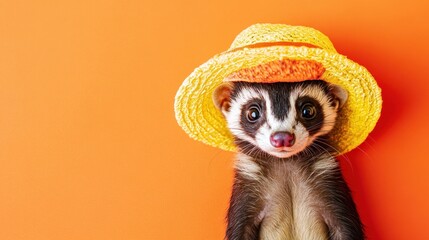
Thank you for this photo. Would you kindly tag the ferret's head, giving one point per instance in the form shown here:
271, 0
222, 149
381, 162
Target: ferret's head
280, 119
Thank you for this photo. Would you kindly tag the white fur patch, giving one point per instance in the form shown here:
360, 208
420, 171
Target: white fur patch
246, 166
233, 117
324, 166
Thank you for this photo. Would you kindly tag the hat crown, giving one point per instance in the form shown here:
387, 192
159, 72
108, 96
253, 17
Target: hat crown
265, 33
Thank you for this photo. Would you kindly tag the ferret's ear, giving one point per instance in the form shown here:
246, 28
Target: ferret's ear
340, 94
222, 97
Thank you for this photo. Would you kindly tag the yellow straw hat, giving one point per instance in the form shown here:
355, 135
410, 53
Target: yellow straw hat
278, 52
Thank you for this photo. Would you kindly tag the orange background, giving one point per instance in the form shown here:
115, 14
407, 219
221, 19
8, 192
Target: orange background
89, 147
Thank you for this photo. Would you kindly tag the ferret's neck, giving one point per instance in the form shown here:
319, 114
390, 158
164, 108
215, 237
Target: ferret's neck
253, 163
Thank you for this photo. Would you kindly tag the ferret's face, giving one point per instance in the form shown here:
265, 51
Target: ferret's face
281, 119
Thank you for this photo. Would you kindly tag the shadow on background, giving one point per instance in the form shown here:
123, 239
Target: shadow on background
380, 63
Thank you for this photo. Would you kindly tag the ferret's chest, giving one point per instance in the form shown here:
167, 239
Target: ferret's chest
291, 205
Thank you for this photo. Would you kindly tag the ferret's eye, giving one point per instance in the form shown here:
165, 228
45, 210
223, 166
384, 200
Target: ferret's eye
308, 111
253, 113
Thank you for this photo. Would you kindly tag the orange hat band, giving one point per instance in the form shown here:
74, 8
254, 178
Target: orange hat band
285, 70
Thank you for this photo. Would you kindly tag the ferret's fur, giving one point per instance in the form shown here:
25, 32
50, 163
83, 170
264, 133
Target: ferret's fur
292, 193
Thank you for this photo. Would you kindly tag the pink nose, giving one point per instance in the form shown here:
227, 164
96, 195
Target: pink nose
282, 139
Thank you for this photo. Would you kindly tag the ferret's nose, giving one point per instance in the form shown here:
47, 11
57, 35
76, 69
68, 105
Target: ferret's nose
282, 139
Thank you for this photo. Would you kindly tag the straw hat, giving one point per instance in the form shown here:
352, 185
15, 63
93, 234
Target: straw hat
277, 52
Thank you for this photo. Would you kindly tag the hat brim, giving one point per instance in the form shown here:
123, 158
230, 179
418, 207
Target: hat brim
201, 120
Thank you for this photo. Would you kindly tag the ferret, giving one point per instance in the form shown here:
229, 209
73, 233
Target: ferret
287, 184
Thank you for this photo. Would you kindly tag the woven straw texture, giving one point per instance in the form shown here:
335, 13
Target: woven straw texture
264, 43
